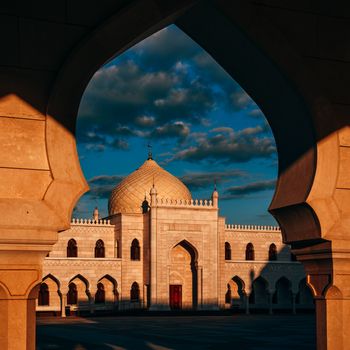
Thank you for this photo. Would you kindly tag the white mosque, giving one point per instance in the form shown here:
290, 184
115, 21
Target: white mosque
159, 249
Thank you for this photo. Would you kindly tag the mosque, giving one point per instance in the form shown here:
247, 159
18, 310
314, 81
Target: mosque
159, 249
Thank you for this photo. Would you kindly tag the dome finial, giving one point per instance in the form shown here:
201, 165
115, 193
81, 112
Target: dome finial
149, 151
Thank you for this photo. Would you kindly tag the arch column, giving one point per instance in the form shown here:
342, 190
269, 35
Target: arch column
20, 277
270, 302
327, 266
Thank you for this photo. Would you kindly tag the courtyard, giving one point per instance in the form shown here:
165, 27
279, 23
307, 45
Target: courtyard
195, 332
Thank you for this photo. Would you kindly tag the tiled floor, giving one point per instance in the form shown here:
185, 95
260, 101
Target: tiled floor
239, 332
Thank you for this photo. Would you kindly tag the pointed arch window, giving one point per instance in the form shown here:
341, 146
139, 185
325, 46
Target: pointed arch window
135, 292
249, 252
135, 250
72, 249
100, 295
44, 295
99, 249
272, 252
72, 295
227, 251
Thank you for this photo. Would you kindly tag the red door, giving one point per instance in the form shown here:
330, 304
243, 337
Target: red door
175, 296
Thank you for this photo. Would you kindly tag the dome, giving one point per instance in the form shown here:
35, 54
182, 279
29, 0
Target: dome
128, 195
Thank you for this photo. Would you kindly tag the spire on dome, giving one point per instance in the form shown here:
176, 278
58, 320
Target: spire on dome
149, 151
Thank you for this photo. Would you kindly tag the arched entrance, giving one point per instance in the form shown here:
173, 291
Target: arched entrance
311, 200
183, 277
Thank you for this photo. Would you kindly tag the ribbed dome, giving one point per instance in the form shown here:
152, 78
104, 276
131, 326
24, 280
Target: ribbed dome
129, 194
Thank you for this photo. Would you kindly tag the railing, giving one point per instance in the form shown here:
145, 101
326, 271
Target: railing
252, 228
187, 203
99, 222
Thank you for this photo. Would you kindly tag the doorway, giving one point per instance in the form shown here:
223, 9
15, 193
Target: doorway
175, 295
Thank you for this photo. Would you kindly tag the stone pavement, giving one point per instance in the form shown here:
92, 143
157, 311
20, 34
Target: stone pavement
239, 332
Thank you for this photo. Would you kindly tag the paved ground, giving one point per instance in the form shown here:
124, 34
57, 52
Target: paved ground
239, 332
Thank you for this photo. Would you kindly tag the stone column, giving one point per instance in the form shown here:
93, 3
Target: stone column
294, 310
63, 304
200, 287
20, 277
327, 267
246, 299
270, 303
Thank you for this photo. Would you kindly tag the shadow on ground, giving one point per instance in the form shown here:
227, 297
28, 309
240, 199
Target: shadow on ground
182, 332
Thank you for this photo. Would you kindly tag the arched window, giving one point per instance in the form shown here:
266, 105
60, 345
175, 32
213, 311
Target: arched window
72, 295
249, 252
99, 249
228, 295
272, 252
135, 250
72, 249
44, 295
118, 248
135, 292
100, 294
227, 251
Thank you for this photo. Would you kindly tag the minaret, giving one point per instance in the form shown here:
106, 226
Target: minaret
95, 214
215, 197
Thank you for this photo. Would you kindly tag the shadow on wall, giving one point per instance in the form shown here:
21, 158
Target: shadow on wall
269, 289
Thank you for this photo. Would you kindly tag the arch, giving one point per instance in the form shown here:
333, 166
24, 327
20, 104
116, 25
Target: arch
100, 295
183, 261
44, 295
82, 289
72, 248
72, 295
249, 252
283, 293
189, 247
304, 297
234, 32
111, 289
272, 252
54, 290
259, 295
99, 249
135, 251
236, 293
227, 251
135, 292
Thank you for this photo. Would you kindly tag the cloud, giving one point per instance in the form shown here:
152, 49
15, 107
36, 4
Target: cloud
244, 190
164, 79
226, 145
178, 129
101, 186
198, 180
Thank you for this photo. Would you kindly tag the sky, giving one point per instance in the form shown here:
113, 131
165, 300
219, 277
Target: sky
168, 92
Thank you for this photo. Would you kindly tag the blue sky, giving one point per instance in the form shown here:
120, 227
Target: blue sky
203, 127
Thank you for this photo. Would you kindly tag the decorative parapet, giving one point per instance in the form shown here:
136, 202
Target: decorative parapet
100, 222
231, 227
185, 203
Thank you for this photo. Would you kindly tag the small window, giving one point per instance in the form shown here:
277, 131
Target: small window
135, 250
100, 294
272, 252
249, 252
227, 251
72, 295
72, 249
135, 292
44, 295
293, 257
99, 249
